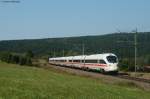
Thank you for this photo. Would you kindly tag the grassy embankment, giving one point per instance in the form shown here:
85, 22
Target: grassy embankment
20, 82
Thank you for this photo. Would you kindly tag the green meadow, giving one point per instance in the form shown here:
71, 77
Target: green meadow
23, 82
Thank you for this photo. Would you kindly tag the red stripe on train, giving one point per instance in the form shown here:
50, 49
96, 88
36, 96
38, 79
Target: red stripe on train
86, 64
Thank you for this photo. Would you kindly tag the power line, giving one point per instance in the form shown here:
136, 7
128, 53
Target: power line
10, 1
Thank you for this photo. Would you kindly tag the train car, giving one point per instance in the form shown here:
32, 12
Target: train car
106, 62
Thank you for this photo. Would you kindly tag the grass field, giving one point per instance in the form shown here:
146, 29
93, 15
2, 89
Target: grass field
20, 82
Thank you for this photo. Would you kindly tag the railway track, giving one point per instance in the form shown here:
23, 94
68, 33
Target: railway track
134, 78
119, 75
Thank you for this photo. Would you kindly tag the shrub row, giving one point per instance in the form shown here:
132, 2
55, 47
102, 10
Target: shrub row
15, 58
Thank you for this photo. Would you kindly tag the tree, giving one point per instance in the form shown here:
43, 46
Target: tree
29, 54
148, 60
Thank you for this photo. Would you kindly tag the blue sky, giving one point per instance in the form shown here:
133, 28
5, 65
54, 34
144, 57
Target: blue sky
62, 18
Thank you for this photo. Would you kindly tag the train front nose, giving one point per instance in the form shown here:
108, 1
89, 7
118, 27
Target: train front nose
112, 67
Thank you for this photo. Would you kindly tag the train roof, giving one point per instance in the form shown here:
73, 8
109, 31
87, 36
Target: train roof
90, 57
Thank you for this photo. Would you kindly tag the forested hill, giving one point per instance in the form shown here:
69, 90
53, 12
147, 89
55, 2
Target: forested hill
119, 43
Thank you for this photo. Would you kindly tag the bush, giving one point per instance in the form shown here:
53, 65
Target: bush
127, 64
15, 58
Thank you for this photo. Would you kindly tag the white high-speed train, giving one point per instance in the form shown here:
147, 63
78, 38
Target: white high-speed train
106, 62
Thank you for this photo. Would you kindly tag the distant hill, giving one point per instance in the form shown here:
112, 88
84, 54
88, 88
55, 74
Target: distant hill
73, 45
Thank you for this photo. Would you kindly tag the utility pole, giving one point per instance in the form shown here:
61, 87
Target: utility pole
83, 48
83, 52
63, 53
54, 53
135, 47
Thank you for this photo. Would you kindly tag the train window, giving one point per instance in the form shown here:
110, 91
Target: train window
102, 62
82, 61
76, 60
91, 61
70, 60
112, 59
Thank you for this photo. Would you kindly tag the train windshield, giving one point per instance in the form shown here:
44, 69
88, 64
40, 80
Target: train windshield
112, 59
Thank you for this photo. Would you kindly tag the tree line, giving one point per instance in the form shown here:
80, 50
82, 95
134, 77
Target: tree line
70, 46
21, 59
